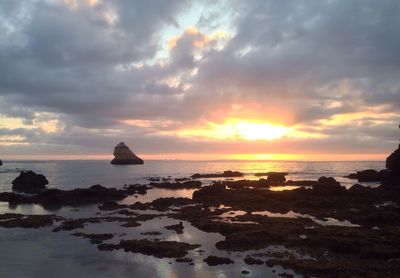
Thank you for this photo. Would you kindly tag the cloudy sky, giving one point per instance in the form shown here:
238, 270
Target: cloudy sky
263, 79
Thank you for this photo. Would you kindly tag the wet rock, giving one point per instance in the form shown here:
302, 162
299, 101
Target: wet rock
177, 185
214, 260
29, 182
56, 198
73, 224
95, 238
123, 155
261, 183
13, 220
277, 178
328, 186
111, 206
159, 249
178, 228
225, 174
251, 261
245, 272
136, 189
369, 175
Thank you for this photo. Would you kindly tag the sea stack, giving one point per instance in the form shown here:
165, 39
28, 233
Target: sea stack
29, 182
1, 162
123, 155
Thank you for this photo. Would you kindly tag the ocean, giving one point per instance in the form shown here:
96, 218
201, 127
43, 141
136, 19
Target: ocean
42, 253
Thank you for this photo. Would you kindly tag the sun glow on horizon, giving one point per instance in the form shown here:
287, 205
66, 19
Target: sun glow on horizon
238, 129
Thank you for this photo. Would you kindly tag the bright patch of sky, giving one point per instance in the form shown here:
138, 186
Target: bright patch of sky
205, 17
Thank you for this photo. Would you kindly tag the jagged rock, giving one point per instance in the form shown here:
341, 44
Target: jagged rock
328, 186
369, 175
123, 155
29, 182
393, 166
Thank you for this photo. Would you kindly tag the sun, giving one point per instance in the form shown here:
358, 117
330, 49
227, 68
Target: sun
259, 131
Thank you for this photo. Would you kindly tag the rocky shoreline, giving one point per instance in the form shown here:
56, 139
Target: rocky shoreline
326, 229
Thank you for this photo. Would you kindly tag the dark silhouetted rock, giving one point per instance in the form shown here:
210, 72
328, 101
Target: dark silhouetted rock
251, 261
393, 166
95, 238
1, 162
159, 249
328, 186
369, 175
276, 178
13, 220
178, 228
29, 182
177, 185
214, 260
225, 174
123, 156
240, 184
56, 198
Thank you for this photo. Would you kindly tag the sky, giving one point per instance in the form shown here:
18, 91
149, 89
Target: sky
256, 79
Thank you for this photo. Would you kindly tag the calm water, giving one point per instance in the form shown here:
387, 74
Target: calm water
41, 253
70, 174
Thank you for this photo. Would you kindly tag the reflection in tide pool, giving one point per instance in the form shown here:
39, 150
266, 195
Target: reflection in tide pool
325, 222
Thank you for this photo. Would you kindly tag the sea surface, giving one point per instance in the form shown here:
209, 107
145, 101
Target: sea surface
42, 253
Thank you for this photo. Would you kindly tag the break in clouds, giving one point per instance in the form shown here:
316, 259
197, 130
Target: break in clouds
78, 76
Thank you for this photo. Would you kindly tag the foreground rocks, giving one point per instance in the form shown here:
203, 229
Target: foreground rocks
177, 185
95, 238
225, 174
369, 175
278, 178
214, 260
29, 182
123, 155
159, 249
13, 220
56, 198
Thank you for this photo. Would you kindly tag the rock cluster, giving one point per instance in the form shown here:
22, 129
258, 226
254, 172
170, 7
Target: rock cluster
123, 155
369, 175
29, 182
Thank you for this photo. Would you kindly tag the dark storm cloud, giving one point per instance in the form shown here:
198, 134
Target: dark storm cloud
89, 66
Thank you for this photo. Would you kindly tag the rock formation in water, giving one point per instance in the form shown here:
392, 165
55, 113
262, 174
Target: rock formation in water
29, 182
393, 166
123, 155
1, 162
